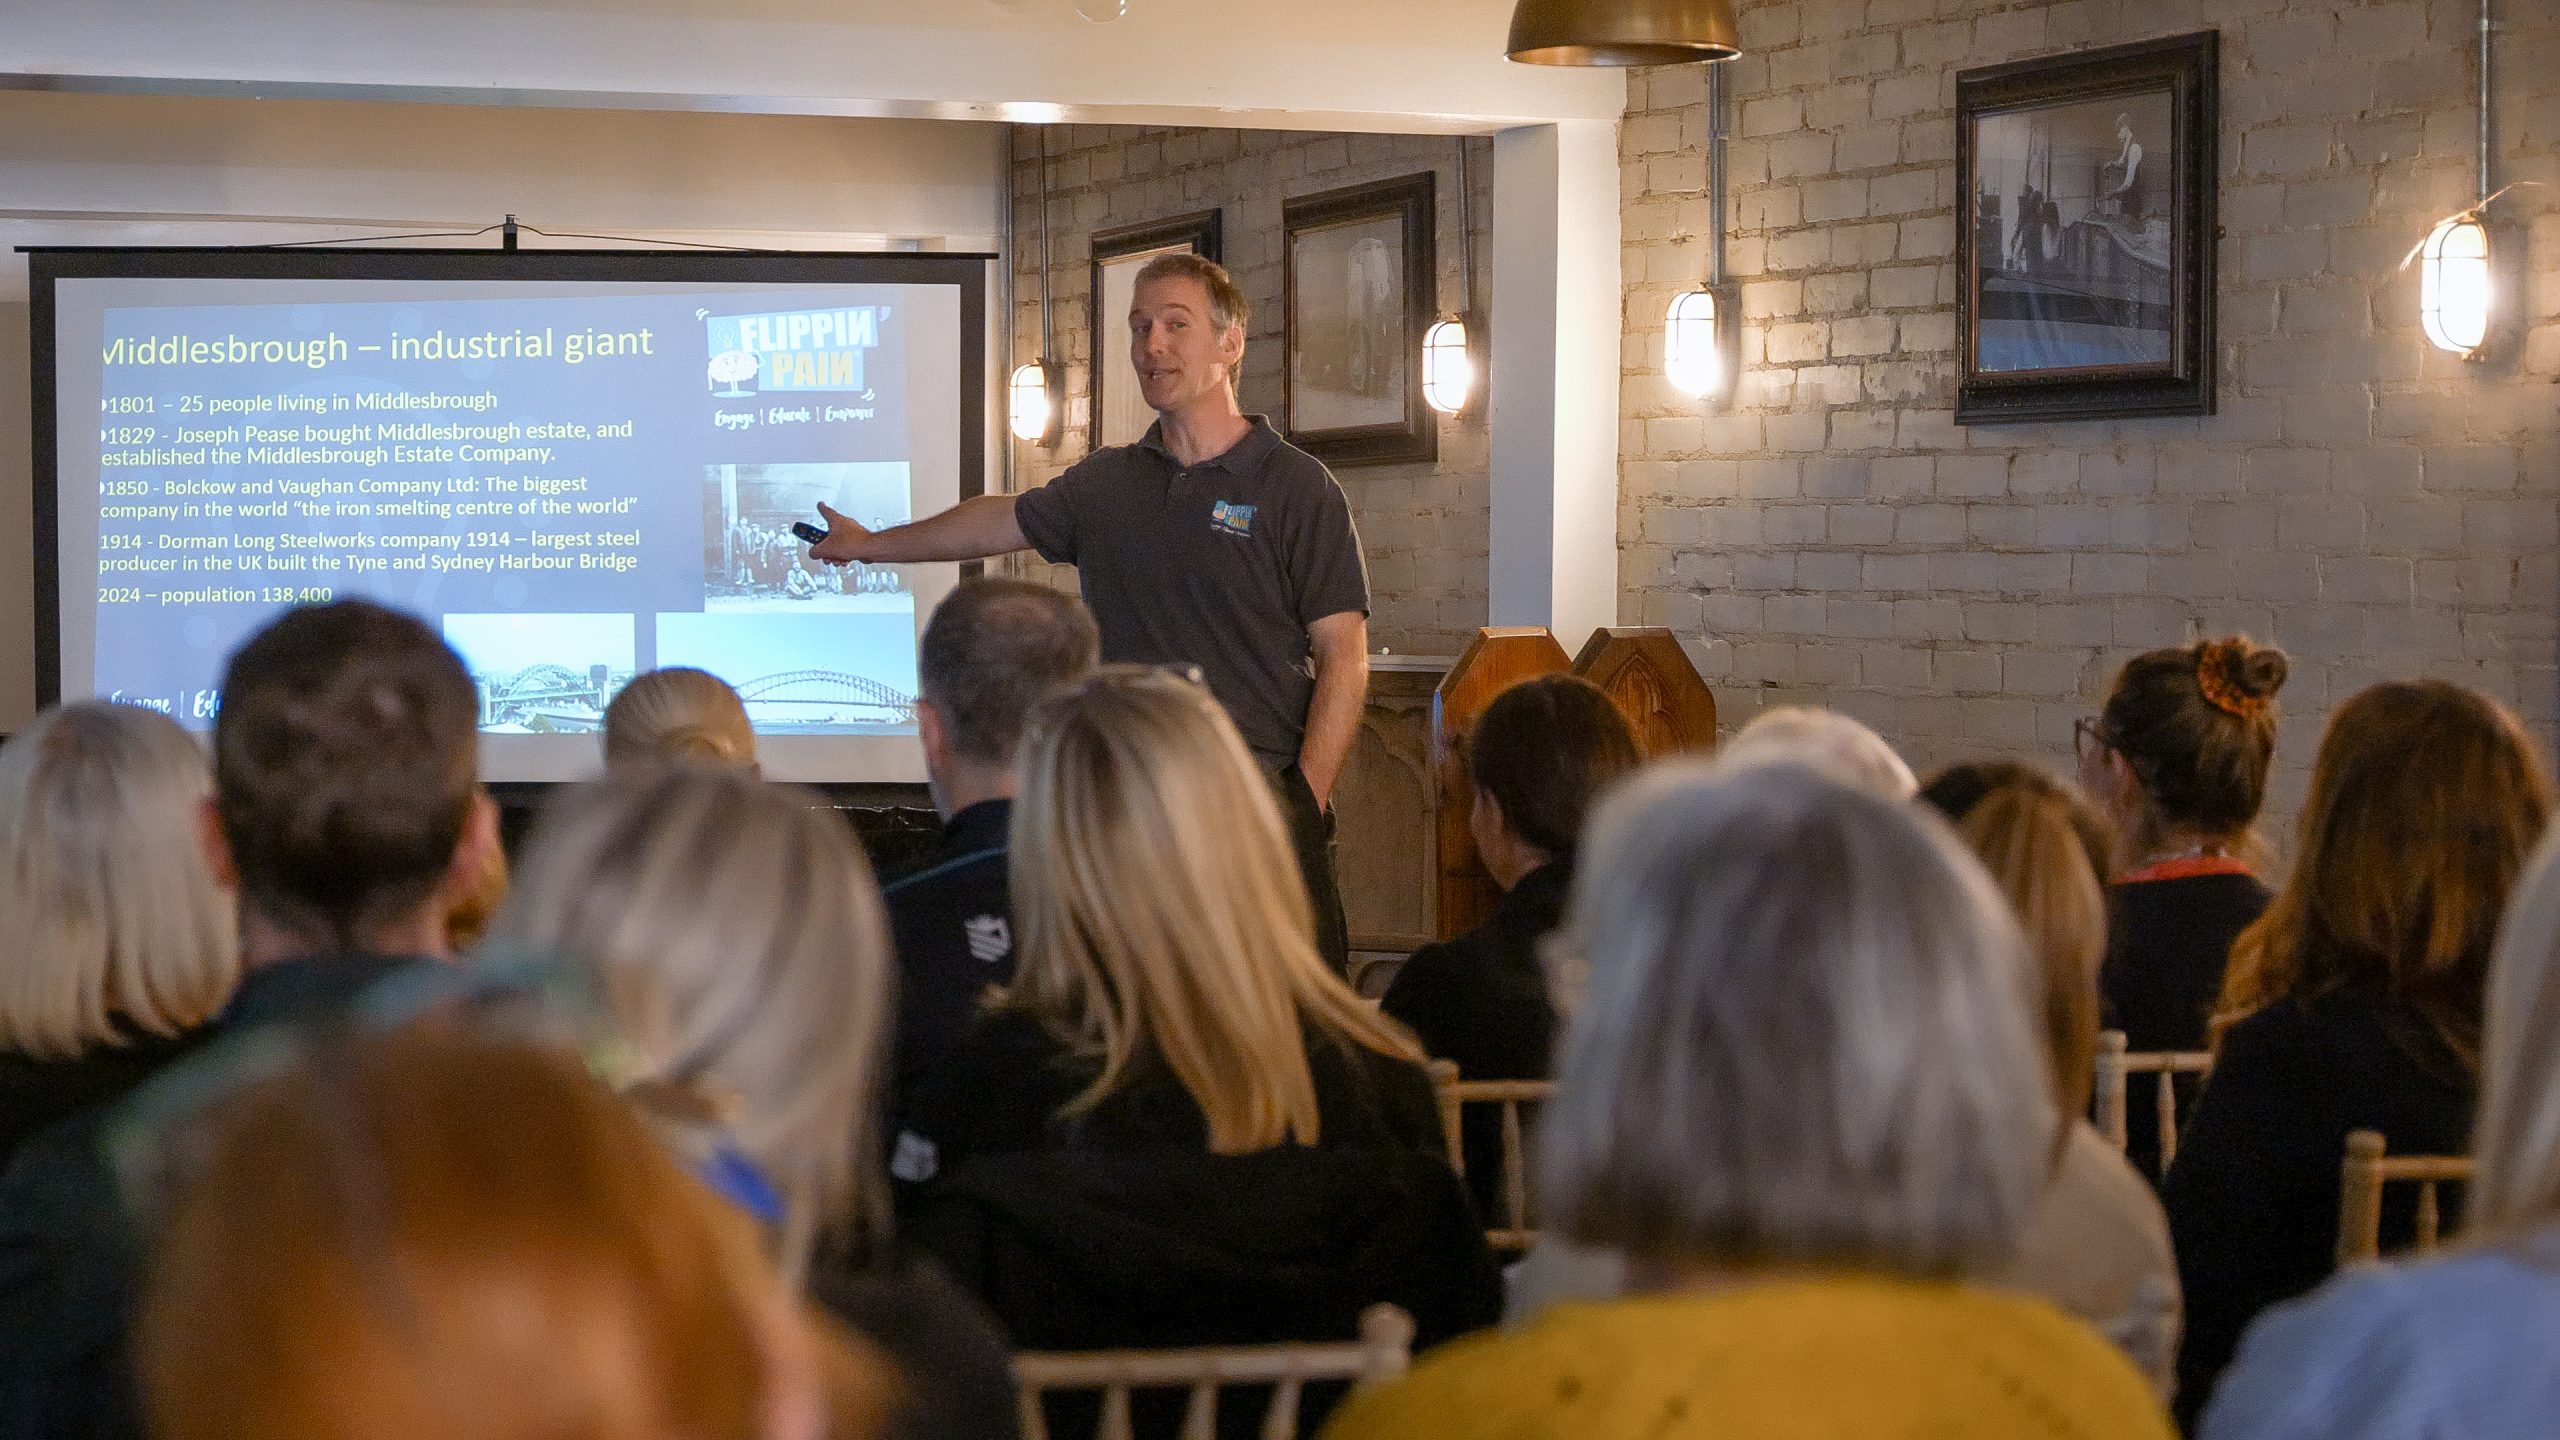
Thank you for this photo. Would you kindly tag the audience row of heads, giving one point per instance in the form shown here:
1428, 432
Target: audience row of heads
1817, 1014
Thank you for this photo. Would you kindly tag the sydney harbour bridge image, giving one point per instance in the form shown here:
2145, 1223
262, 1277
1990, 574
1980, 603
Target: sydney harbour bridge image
554, 699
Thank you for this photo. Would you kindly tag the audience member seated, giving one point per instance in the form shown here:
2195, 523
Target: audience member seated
1802, 1092
993, 649
2099, 1244
741, 960
2459, 1345
1833, 743
347, 816
678, 713
1538, 756
2354, 1003
426, 1236
124, 944
1177, 1126
2178, 757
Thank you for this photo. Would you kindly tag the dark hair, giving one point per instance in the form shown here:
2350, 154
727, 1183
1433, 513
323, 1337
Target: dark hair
1956, 790
2198, 725
345, 762
1544, 750
994, 649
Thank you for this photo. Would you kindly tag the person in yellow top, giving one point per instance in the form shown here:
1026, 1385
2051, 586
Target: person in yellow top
1803, 1094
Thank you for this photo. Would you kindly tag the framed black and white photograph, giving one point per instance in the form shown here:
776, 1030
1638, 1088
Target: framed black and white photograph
2085, 242
1359, 271
1120, 413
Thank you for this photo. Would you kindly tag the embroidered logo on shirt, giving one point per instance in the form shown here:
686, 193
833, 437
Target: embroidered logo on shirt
916, 1159
1227, 517
990, 938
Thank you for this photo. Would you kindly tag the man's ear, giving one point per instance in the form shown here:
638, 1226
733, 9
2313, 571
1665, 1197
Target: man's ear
1231, 348
472, 852
215, 847
934, 733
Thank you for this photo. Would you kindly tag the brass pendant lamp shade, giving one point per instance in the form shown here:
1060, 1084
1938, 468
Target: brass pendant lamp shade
1623, 32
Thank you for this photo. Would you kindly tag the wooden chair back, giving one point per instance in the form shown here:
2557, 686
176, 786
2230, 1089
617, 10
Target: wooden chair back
1655, 685
2115, 1063
1496, 659
2361, 1176
1383, 1351
1511, 1230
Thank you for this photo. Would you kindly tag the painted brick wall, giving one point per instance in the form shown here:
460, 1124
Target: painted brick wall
1422, 526
2375, 507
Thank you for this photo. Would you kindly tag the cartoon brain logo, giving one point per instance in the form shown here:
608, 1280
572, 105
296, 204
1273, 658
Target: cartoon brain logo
732, 368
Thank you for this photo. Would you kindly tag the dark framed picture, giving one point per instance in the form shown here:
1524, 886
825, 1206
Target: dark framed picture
1359, 271
2085, 241
1120, 413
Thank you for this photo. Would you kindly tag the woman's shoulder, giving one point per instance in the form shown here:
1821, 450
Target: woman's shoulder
1932, 1354
2457, 1345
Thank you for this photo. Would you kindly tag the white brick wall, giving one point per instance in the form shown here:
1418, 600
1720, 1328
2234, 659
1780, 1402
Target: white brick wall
1424, 527
2375, 507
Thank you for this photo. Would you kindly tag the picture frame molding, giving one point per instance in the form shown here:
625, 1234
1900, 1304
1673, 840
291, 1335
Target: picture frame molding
2188, 66
1203, 230
1415, 200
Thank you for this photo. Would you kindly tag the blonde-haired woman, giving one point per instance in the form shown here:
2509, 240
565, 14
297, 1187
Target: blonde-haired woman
122, 941
678, 713
2460, 1344
2099, 1244
1176, 1125
741, 962
1803, 1095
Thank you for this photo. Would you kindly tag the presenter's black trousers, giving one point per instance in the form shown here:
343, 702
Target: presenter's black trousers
1311, 835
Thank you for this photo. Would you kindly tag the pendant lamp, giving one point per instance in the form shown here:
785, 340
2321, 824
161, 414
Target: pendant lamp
1623, 32
1032, 395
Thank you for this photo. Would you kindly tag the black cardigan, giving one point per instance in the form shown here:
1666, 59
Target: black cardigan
2253, 1194
1482, 1001
1120, 1229
2167, 944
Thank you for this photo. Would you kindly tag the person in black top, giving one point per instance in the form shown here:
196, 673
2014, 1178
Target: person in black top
2353, 1003
2178, 758
1178, 1126
123, 945
1211, 542
347, 815
993, 649
1539, 756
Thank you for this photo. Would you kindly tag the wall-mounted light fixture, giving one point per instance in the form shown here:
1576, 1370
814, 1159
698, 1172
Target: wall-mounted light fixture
1694, 328
1448, 371
2457, 291
1031, 399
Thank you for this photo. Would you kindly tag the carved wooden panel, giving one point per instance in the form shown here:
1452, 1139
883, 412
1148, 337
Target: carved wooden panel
1649, 676
1388, 847
1495, 660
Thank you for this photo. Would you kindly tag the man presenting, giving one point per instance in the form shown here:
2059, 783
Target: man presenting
1211, 542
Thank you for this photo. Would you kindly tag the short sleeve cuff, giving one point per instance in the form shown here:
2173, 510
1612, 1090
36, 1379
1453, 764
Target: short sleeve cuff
1044, 519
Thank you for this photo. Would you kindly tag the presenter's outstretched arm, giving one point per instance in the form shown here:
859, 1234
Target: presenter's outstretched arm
971, 530
1340, 646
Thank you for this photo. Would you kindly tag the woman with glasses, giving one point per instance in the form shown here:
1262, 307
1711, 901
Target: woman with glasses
1177, 1126
2178, 759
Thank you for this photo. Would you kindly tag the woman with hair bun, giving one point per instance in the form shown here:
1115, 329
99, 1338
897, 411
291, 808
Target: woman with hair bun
2178, 758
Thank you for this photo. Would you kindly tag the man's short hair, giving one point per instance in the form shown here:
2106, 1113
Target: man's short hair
994, 649
1227, 306
1544, 750
345, 765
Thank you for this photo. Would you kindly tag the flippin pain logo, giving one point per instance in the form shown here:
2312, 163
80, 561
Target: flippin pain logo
792, 350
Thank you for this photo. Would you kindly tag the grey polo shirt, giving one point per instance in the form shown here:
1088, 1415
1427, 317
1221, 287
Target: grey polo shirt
1223, 565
